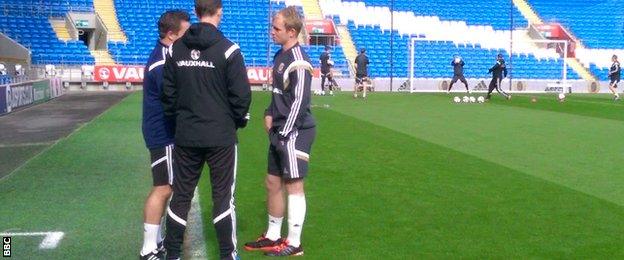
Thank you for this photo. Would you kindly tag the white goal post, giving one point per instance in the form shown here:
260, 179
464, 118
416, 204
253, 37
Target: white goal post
413, 45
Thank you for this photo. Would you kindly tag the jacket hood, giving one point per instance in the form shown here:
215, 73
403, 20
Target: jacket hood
202, 36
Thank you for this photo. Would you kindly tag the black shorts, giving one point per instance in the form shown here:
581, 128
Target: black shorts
162, 165
289, 157
614, 82
359, 79
458, 77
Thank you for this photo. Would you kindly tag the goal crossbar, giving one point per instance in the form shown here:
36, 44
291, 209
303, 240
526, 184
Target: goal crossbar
414, 40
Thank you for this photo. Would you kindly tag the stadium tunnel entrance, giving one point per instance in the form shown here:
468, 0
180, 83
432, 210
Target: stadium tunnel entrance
88, 28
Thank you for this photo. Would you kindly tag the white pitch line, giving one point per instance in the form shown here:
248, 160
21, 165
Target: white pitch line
195, 243
50, 240
25, 144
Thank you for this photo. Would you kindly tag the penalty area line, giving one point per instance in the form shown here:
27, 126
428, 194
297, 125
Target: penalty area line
50, 239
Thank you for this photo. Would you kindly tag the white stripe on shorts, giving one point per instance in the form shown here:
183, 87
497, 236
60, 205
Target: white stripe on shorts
169, 152
157, 162
292, 157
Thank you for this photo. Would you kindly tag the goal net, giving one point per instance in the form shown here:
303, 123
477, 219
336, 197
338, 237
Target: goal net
544, 61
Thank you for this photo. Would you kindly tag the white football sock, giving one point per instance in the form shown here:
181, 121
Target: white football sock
274, 231
150, 234
296, 216
160, 236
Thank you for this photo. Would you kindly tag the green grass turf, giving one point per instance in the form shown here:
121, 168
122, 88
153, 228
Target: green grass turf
397, 176
91, 186
572, 149
416, 176
13, 157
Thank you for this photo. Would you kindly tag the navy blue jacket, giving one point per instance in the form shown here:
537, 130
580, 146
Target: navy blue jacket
290, 104
158, 130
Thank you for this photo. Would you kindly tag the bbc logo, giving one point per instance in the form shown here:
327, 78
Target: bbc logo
6, 246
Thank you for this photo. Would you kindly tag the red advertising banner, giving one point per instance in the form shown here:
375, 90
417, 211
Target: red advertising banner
122, 74
118, 74
259, 75
555, 31
550, 30
320, 26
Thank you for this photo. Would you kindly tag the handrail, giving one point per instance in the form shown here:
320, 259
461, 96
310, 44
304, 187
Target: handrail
72, 26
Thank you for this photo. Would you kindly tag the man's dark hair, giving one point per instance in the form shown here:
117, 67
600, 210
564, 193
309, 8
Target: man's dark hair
170, 21
362, 50
207, 7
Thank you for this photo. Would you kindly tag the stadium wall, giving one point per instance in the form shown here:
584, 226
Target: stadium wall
398, 85
16, 96
3, 100
476, 85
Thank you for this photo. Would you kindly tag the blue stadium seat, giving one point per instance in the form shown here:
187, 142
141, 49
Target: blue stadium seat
434, 57
593, 21
494, 13
597, 23
242, 22
26, 21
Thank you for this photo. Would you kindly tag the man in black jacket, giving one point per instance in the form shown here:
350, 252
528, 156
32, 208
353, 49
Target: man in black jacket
291, 128
499, 72
614, 76
206, 89
326, 65
361, 73
458, 73
158, 132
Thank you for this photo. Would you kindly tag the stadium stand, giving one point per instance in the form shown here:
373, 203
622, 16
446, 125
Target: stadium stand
245, 22
477, 44
494, 13
26, 21
434, 58
601, 73
5, 79
598, 23
477, 36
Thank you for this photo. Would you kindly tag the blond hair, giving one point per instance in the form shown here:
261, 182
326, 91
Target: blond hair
292, 19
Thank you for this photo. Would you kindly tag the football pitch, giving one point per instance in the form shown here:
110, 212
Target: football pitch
396, 176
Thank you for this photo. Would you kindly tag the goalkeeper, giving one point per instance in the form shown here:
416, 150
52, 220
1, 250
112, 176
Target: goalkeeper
458, 73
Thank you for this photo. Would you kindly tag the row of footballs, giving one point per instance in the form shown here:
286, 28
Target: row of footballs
467, 99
